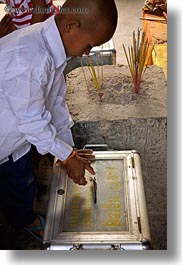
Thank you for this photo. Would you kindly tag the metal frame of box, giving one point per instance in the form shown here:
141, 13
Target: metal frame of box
136, 236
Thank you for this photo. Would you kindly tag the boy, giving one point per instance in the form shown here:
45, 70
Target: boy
32, 100
21, 14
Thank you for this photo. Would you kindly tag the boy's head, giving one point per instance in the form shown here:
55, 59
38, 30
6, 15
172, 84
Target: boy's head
85, 24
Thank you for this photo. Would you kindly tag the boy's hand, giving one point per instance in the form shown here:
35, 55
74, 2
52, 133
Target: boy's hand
76, 167
85, 153
6, 25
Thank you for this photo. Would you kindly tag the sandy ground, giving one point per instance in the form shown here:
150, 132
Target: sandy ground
118, 90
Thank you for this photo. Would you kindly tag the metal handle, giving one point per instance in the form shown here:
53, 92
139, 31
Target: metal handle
96, 147
96, 247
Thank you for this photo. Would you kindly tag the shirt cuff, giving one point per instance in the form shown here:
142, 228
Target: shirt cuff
60, 149
67, 137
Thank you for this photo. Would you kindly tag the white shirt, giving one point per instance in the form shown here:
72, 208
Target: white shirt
32, 93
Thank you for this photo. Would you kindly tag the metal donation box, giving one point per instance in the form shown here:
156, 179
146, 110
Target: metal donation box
109, 213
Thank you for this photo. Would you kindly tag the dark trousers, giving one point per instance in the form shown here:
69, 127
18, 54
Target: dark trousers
17, 190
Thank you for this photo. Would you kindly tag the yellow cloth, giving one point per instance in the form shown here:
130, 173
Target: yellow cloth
159, 56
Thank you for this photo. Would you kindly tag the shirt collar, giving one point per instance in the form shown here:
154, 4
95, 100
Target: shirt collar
54, 41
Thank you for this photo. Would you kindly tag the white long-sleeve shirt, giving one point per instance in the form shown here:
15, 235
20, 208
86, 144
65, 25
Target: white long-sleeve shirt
32, 93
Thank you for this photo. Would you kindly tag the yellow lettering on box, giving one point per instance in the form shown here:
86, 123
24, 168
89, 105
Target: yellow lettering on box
109, 223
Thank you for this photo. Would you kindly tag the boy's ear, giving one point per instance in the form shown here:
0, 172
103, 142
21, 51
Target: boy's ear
72, 25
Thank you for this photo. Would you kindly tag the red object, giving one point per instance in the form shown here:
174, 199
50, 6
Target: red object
100, 94
56, 9
164, 14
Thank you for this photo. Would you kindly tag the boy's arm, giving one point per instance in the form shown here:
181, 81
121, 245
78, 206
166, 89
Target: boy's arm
34, 121
61, 117
6, 25
39, 5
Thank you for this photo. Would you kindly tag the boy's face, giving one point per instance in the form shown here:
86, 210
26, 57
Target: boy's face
79, 42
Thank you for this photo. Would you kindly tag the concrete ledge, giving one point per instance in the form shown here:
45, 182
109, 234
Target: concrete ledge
128, 121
